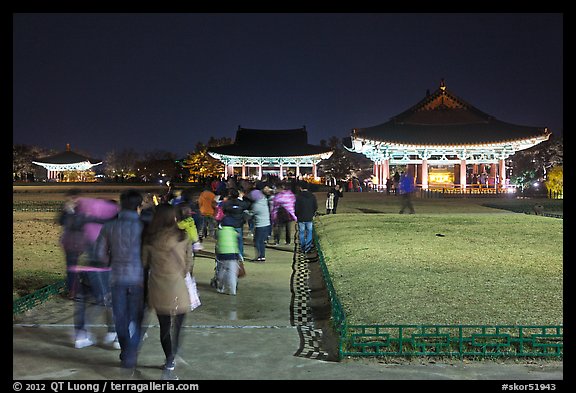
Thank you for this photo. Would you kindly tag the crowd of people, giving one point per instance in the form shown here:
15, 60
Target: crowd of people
136, 257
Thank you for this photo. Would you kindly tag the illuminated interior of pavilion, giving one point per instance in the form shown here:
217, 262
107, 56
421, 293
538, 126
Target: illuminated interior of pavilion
445, 142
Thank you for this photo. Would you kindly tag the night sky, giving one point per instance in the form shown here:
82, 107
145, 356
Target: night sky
149, 81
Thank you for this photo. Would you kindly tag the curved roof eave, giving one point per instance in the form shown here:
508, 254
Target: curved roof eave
448, 134
271, 151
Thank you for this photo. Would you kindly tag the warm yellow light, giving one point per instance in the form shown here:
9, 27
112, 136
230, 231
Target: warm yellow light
436, 176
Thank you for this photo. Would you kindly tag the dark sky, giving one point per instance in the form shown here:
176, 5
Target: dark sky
148, 81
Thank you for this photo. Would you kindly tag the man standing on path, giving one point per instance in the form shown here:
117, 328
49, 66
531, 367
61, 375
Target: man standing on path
305, 208
207, 204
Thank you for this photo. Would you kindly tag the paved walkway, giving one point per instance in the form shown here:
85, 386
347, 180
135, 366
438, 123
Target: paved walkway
263, 333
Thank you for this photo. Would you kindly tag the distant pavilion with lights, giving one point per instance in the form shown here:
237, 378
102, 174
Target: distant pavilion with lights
442, 141
259, 152
57, 165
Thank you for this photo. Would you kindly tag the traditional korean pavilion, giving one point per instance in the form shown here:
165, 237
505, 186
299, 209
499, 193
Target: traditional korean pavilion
274, 152
59, 164
445, 143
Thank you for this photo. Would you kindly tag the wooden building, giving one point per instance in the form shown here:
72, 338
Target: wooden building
257, 152
445, 143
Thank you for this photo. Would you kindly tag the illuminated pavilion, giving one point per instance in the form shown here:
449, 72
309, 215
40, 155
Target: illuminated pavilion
274, 152
60, 164
444, 142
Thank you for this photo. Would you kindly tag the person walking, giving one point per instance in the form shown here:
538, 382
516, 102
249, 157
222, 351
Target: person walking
119, 245
227, 261
234, 212
332, 199
72, 238
261, 216
168, 254
94, 276
305, 208
282, 213
207, 205
406, 185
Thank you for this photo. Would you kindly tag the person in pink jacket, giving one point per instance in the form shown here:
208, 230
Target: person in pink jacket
282, 213
92, 277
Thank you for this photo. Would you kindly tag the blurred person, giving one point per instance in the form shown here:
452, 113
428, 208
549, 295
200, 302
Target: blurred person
260, 212
282, 213
227, 261
72, 238
168, 254
119, 245
190, 198
94, 277
235, 208
406, 185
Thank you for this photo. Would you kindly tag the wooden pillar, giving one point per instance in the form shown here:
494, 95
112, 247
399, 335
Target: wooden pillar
385, 171
243, 170
314, 173
424, 174
463, 174
493, 172
502, 166
260, 171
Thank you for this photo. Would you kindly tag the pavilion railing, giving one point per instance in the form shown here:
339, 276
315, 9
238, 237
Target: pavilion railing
460, 341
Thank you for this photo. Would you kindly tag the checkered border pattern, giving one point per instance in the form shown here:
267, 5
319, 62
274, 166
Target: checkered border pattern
300, 312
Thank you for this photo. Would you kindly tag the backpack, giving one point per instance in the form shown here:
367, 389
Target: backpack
282, 215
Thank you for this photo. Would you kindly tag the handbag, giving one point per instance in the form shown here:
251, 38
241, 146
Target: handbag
241, 269
219, 214
192, 291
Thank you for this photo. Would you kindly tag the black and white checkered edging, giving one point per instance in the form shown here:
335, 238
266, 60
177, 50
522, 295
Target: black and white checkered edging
301, 315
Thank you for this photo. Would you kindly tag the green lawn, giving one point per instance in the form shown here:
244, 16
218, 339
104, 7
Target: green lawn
487, 268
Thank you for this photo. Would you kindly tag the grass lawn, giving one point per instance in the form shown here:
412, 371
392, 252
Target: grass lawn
486, 268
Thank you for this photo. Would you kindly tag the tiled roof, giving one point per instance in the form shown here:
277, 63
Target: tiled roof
270, 143
66, 157
442, 118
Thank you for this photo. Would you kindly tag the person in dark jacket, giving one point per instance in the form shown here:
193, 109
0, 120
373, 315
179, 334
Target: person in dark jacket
234, 213
305, 208
119, 244
332, 198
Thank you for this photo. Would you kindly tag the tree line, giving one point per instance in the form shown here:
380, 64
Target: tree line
539, 164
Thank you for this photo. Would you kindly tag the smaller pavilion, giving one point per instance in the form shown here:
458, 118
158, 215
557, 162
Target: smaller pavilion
273, 152
58, 165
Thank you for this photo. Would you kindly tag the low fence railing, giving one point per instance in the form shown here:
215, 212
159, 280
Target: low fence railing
439, 340
38, 297
37, 206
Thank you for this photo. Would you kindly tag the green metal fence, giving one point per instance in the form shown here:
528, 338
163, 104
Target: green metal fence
36, 298
452, 340
439, 340
37, 206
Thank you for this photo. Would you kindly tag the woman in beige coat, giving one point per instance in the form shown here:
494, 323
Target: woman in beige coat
167, 252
